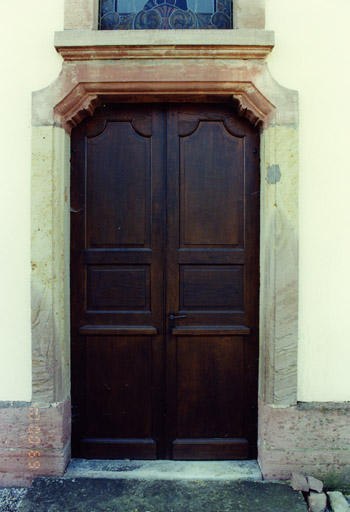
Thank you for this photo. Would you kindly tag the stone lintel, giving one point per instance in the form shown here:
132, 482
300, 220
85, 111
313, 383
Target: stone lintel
164, 79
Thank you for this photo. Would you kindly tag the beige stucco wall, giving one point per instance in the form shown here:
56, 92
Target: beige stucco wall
29, 62
311, 52
299, 61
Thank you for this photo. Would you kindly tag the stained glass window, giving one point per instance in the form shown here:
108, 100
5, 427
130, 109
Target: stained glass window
165, 14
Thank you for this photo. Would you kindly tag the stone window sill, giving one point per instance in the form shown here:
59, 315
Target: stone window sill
113, 44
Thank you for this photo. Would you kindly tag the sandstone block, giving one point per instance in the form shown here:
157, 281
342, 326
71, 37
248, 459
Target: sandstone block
314, 484
317, 502
338, 502
299, 482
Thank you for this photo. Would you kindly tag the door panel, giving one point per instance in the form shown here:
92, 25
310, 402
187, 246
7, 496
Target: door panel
111, 287
164, 222
118, 177
212, 277
118, 374
211, 176
117, 283
204, 286
200, 397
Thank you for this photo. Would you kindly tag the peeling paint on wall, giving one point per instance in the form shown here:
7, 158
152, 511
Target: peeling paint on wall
273, 174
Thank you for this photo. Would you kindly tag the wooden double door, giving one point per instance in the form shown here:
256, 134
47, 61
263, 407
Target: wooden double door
165, 282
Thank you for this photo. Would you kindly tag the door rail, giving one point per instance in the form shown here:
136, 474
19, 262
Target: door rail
121, 330
211, 330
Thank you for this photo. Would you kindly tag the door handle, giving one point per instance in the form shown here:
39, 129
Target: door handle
172, 316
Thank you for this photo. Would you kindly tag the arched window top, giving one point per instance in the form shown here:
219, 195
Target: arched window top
165, 14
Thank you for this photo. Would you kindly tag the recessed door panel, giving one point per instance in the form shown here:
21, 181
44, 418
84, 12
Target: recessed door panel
112, 287
211, 183
118, 373
208, 287
200, 398
118, 187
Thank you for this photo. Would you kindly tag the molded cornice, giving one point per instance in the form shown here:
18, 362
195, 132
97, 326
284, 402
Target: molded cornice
161, 49
85, 97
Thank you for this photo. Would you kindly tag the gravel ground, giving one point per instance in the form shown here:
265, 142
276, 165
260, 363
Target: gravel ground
10, 498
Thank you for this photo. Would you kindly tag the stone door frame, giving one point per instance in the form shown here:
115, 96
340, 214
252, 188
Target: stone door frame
195, 65
99, 67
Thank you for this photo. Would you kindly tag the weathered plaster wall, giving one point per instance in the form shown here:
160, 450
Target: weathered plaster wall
305, 53
311, 52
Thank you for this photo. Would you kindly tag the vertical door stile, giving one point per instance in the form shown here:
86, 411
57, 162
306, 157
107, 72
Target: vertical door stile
77, 215
171, 279
251, 279
157, 276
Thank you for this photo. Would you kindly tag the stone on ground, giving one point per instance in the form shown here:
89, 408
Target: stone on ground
338, 502
299, 482
314, 484
317, 502
126, 495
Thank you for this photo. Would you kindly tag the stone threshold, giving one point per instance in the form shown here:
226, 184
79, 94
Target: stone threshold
165, 469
